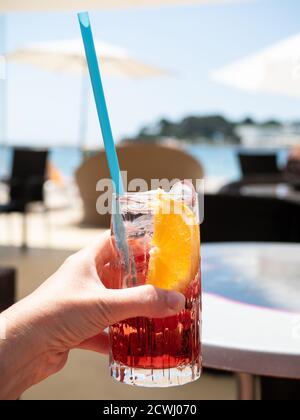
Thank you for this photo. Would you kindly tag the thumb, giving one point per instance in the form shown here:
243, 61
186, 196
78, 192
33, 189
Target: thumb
146, 301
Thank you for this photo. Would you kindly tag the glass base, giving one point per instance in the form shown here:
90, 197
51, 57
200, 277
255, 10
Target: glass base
160, 378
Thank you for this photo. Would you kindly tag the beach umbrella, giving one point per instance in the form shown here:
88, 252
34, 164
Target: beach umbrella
273, 70
69, 56
42, 5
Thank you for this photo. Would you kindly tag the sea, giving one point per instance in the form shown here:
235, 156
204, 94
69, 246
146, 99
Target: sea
218, 161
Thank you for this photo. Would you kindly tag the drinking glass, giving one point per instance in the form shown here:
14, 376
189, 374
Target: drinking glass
158, 352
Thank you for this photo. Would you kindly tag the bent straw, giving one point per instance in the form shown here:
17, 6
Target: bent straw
111, 153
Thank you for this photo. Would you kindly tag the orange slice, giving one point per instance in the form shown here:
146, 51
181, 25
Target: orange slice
175, 254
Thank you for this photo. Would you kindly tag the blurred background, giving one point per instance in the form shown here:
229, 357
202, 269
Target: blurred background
43, 107
205, 89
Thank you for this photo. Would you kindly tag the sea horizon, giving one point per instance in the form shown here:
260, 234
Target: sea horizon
219, 161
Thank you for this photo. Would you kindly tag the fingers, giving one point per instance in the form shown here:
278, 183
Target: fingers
103, 253
99, 344
146, 301
111, 276
103, 250
117, 305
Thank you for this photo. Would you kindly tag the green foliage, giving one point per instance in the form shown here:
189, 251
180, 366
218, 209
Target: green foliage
213, 128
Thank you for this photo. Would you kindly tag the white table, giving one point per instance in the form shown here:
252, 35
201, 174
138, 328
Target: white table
251, 310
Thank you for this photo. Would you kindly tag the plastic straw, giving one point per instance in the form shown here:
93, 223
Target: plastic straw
111, 153
103, 116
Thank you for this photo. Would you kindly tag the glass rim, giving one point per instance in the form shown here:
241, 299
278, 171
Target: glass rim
144, 193
136, 193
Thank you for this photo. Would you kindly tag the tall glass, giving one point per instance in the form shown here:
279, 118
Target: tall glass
155, 352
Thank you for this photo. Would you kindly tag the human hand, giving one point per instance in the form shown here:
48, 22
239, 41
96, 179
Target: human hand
71, 310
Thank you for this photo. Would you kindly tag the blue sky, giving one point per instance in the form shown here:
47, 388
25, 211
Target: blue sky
43, 107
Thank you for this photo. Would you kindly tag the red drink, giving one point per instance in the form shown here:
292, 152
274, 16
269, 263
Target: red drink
158, 343
156, 352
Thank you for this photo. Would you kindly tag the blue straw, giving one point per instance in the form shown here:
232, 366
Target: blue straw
111, 153
103, 116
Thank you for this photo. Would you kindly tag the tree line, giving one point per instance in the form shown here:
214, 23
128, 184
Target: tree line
200, 129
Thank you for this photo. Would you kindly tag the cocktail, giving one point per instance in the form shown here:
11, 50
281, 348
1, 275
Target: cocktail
162, 248
163, 236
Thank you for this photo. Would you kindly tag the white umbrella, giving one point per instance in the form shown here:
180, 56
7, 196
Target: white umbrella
273, 70
42, 5
69, 56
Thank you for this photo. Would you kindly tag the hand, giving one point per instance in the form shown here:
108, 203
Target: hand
71, 310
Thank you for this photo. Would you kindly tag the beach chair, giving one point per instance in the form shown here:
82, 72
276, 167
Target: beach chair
26, 183
140, 160
256, 169
230, 218
256, 164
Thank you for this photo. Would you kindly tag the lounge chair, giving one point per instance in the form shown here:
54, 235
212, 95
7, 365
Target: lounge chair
256, 169
230, 218
146, 161
26, 183
258, 164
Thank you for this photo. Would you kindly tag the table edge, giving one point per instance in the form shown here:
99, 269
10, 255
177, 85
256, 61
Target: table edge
259, 363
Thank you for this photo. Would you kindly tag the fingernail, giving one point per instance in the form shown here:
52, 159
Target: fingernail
176, 301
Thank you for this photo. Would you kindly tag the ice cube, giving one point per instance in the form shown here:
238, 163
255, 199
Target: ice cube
184, 190
140, 225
